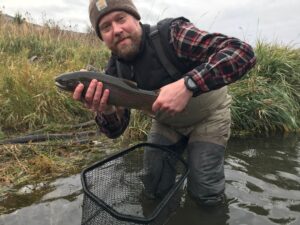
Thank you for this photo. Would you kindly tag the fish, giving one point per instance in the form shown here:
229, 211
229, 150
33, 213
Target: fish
123, 92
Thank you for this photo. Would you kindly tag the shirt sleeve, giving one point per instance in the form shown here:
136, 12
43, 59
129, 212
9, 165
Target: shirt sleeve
113, 125
219, 59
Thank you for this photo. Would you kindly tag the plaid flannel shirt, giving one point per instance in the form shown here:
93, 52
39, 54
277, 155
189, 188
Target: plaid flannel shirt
221, 61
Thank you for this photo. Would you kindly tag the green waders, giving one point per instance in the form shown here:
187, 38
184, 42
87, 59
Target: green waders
204, 142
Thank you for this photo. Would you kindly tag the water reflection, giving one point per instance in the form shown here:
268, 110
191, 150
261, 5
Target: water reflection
263, 178
192, 214
60, 204
262, 187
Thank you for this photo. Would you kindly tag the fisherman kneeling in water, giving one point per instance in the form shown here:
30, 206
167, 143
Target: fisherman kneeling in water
193, 107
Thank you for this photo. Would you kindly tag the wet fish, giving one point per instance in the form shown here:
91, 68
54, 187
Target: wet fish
122, 92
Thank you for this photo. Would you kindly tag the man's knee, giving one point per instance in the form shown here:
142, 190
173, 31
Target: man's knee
160, 171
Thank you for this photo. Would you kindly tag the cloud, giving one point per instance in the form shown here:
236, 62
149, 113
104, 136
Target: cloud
245, 19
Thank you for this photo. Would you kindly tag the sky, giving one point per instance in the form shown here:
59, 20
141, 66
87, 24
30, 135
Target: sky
274, 21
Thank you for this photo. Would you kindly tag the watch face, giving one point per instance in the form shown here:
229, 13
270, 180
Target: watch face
191, 83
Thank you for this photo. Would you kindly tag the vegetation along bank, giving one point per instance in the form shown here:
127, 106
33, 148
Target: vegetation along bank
266, 101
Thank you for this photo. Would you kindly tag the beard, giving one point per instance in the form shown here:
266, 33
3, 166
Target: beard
129, 51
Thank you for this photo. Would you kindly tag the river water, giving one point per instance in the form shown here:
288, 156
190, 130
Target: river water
262, 187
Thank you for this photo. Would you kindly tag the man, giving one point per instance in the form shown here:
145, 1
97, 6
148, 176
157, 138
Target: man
192, 105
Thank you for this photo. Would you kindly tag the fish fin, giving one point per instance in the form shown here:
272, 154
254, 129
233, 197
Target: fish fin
130, 83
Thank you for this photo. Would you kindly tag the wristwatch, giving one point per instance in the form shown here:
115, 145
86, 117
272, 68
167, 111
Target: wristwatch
190, 84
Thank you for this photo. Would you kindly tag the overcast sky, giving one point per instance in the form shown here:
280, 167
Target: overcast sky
269, 20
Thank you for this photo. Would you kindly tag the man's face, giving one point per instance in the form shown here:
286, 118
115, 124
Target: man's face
122, 34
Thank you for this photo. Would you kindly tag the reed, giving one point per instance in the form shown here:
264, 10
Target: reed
31, 56
137, 129
20, 164
264, 101
267, 100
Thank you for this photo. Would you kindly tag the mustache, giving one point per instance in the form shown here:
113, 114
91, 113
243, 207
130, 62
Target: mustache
119, 38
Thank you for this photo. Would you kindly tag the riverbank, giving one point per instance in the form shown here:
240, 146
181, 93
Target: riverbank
265, 101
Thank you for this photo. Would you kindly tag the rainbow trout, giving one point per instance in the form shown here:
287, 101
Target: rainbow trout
122, 92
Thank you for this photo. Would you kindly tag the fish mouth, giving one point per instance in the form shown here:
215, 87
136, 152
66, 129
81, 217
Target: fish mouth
60, 85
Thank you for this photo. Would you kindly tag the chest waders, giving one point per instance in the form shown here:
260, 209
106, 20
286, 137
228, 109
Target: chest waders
202, 128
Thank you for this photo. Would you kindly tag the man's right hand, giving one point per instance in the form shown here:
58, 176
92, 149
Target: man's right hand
96, 97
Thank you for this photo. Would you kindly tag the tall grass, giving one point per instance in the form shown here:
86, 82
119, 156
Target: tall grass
28, 96
264, 101
268, 99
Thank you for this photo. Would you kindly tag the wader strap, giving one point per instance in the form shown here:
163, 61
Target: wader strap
118, 65
167, 64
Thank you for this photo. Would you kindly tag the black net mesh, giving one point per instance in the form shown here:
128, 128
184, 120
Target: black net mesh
114, 189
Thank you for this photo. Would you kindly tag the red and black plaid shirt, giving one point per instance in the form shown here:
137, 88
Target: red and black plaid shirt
221, 59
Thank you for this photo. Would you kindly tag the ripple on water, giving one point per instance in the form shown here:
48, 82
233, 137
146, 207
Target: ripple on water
262, 187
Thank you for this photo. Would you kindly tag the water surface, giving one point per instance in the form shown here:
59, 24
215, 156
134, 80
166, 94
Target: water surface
262, 187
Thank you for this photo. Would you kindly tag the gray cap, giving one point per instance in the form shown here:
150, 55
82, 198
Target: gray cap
99, 8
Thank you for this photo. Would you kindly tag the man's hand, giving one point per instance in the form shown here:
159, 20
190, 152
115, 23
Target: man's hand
95, 98
172, 98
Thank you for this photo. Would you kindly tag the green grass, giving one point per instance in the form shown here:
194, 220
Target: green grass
264, 101
267, 100
28, 96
